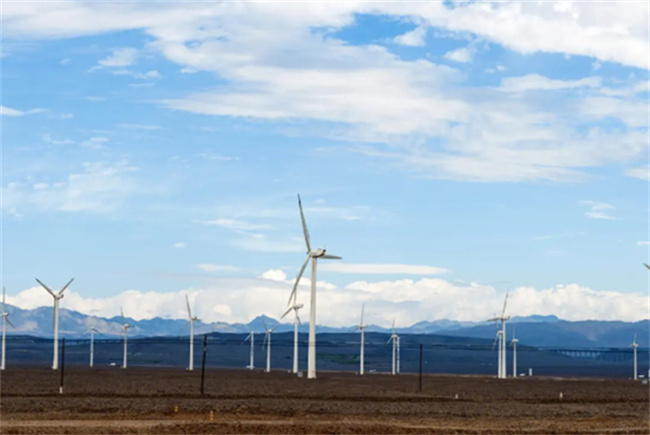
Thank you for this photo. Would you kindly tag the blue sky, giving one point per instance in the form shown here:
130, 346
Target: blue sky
449, 152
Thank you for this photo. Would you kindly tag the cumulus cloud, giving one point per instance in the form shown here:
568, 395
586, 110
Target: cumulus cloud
641, 172
462, 55
414, 38
120, 57
536, 82
409, 301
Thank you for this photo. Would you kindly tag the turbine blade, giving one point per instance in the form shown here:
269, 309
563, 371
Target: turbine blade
648, 267
304, 225
505, 301
286, 312
294, 291
66, 286
189, 311
184, 328
3, 299
393, 329
266, 328
49, 290
362, 307
330, 257
9, 322
122, 313
54, 314
298, 317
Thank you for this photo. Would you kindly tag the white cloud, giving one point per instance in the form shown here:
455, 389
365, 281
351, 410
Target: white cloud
100, 187
179, 245
241, 299
536, 82
641, 172
377, 269
462, 55
414, 38
206, 267
597, 210
120, 57
8, 111
274, 275
644, 243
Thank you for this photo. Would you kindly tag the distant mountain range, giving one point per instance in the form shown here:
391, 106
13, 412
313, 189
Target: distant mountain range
542, 331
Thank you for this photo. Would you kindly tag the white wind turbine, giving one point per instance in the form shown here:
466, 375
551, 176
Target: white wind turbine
395, 339
251, 337
190, 322
313, 255
362, 328
125, 331
501, 337
514, 353
92, 331
634, 345
267, 343
296, 321
5, 320
55, 319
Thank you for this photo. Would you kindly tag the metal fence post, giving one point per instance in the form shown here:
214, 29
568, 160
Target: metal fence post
420, 368
205, 349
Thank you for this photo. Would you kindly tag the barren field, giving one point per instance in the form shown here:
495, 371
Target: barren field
165, 401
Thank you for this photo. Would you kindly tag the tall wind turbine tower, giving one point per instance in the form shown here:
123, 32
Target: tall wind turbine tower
395, 339
55, 319
296, 321
125, 331
362, 329
313, 255
267, 343
92, 331
5, 320
634, 345
514, 353
190, 322
251, 337
501, 336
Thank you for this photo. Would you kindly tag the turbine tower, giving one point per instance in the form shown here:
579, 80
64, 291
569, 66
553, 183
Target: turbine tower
5, 320
267, 343
55, 319
125, 331
395, 339
501, 337
92, 331
251, 337
190, 322
634, 345
313, 255
514, 353
296, 321
361, 328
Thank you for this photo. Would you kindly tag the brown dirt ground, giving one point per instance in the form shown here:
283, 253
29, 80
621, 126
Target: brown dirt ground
167, 401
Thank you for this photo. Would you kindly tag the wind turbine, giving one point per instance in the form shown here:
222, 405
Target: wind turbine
501, 336
55, 319
125, 331
313, 255
296, 321
648, 267
361, 328
395, 339
92, 331
267, 343
251, 337
190, 322
5, 320
514, 353
634, 345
